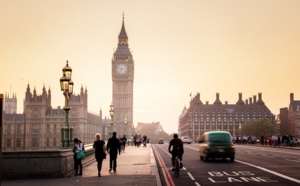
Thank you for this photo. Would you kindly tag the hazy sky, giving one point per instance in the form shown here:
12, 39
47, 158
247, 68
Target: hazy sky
179, 47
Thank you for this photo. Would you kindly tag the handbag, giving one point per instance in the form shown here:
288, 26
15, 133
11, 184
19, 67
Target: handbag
104, 155
80, 155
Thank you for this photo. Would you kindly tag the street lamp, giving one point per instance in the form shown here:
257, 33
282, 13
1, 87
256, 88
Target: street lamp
111, 113
240, 129
132, 129
67, 85
278, 123
125, 123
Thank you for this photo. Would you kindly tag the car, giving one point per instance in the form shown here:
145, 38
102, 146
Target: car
160, 141
186, 139
216, 144
130, 141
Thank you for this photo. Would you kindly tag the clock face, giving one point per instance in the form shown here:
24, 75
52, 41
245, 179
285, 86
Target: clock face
121, 69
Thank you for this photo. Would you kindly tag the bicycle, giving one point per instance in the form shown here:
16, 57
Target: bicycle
123, 147
178, 165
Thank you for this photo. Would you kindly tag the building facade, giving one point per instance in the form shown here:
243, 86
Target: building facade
293, 120
203, 117
284, 127
39, 127
156, 125
10, 104
122, 84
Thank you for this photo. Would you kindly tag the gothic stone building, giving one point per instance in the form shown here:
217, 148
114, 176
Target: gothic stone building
10, 104
122, 83
200, 118
39, 127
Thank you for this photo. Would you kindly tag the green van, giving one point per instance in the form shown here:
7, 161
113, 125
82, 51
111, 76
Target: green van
216, 144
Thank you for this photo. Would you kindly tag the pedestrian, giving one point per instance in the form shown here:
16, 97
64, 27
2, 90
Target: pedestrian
113, 147
100, 154
145, 140
138, 140
78, 146
134, 138
123, 142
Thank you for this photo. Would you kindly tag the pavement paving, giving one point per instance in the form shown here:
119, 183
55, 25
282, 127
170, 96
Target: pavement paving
136, 166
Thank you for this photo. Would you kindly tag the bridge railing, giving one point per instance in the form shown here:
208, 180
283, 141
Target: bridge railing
41, 164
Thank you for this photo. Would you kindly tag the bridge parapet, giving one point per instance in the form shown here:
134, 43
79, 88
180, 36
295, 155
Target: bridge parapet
41, 164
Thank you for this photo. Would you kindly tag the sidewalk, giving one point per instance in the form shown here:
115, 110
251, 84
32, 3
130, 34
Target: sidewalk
136, 166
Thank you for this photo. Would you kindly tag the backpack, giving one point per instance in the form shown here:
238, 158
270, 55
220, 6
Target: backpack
177, 147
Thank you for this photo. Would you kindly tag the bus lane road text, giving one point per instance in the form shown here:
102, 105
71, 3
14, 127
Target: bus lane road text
239, 176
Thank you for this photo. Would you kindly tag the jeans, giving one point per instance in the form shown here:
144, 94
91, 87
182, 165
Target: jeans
113, 162
77, 162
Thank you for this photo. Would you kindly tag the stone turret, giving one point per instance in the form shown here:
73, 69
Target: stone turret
260, 101
240, 101
217, 102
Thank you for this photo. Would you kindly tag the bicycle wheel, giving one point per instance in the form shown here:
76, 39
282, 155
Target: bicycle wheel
177, 168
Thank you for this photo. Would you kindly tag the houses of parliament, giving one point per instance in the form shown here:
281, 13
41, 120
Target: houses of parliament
39, 126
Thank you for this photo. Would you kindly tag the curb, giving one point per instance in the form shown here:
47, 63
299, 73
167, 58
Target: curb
154, 168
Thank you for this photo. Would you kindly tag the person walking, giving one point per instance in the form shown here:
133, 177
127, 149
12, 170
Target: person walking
78, 146
100, 154
113, 147
145, 141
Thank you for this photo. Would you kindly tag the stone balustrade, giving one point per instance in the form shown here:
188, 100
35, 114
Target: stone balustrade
41, 164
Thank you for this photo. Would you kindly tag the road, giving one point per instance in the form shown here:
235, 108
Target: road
254, 165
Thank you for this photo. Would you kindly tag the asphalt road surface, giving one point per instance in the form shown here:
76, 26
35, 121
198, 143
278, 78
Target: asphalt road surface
253, 165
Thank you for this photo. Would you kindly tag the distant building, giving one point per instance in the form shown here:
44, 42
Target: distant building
285, 127
200, 118
156, 125
39, 127
10, 104
293, 119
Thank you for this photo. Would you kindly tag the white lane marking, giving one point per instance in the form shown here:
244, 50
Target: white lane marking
268, 156
264, 169
183, 168
270, 171
291, 160
197, 184
191, 176
268, 149
166, 151
192, 148
262, 148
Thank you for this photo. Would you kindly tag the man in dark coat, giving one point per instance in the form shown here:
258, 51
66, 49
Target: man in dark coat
113, 147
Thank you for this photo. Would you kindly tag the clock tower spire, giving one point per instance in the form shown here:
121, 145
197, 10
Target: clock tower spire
122, 84
123, 38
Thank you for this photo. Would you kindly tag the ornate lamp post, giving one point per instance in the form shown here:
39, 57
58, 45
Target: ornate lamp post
240, 129
132, 129
125, 123
278, 123
111, 113
67, 85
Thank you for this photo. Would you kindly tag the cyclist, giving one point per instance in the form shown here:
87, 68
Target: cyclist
123, 142
177, 149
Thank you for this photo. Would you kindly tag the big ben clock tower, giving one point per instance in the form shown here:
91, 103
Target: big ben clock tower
122, 85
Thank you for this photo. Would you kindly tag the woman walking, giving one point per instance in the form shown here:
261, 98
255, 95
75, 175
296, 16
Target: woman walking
78, 146
99, 152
